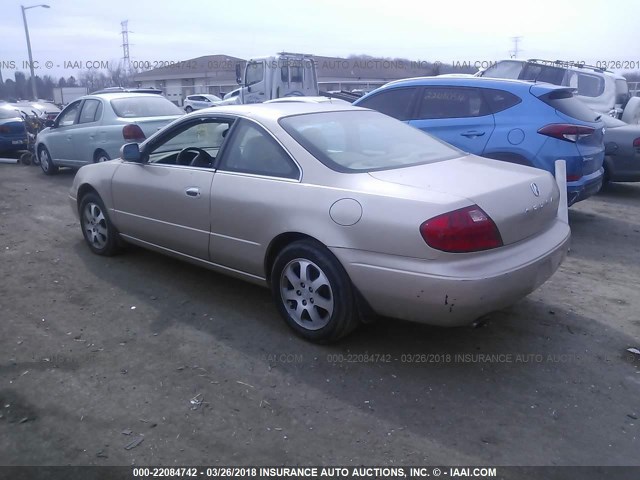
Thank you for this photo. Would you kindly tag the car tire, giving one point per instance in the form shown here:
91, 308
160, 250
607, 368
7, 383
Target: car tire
100, 156
46, 163
97, 229
313, 292
188, 109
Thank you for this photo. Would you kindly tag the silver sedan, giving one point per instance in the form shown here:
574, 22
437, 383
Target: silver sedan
342, 212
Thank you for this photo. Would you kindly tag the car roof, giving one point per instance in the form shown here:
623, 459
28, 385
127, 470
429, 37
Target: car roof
275, 111
114, 95
481, 82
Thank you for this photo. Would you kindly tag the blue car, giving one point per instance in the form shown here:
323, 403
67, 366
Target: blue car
13, 134
527, 123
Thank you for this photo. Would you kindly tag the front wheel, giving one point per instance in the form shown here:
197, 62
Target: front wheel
98, 231
313, 292
188, 109
47, 165
101, 156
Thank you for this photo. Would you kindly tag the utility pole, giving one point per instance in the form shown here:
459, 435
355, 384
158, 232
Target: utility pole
26, 32
126, 61
516, 46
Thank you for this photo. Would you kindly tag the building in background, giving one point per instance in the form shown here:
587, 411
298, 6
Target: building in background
216, 74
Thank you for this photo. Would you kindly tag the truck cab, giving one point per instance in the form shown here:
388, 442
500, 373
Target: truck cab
277, 76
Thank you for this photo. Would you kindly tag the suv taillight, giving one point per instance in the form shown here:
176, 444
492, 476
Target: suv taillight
636, 142
468, 229
567, 132
133, 132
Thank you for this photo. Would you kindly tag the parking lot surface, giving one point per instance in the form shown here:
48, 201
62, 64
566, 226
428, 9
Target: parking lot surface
184, 366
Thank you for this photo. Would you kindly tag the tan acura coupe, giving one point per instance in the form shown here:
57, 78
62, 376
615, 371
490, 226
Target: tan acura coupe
342, 212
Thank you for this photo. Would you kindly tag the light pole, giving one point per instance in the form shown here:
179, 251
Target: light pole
26, 32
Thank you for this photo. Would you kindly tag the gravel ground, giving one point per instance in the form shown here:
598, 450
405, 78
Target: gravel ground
99, 353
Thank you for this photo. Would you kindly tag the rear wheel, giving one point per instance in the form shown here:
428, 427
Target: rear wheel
98, 231
47, 165
313, 292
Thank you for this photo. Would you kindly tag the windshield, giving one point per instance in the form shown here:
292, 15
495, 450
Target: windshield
361, 141
152, 106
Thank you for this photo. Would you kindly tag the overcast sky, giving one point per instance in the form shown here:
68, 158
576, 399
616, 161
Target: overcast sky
461, 30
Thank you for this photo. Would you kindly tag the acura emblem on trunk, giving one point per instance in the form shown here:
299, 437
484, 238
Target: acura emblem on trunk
535, 189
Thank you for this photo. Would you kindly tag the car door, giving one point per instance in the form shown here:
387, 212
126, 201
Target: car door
256, 181
458, 115
256, 87
59, 138
166, 200
85, 134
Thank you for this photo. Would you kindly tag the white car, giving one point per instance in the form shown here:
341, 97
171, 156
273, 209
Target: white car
601, 90
94, 127
231, 98
201, 100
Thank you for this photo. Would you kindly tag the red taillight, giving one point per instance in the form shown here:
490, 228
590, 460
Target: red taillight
469, 229
133, 132
574, 178
636, 143
567, 132
4, 129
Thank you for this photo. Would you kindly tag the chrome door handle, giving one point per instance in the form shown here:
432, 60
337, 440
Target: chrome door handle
192, 192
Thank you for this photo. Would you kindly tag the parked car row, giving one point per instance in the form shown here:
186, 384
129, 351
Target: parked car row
429, 199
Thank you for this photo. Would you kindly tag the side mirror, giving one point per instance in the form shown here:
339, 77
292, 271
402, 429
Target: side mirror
49, 123
238, 74
130, 152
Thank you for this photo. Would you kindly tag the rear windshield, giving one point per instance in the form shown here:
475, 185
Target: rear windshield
564, 102
504, 69
362, 141
155, 106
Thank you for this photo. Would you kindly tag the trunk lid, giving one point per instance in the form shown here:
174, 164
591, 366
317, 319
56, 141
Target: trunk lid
505, 191
151, 125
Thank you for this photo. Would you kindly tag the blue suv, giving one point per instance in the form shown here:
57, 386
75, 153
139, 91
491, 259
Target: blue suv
521, 122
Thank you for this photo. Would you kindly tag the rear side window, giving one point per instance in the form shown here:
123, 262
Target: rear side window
500, 100
397, 103
89, 110
588, 85
564, 102
151, 106
452, 102
252, 150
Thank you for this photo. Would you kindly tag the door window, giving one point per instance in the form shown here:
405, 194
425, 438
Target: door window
252, 150
68, 115
255, 73
191, 144
451, 102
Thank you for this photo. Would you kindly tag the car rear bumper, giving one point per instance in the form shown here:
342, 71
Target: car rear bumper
13, 144
585, 187
461, 288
